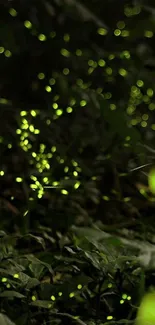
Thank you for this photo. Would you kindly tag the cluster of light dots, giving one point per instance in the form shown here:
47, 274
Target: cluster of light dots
41, 159
6, 52
136, 97
53, 298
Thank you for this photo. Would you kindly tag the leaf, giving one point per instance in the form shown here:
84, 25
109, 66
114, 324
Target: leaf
70, 250
4, 320
93, 234
39, 239
42, 304
32, 283
93, 259
36, 269
11, 294
33, 259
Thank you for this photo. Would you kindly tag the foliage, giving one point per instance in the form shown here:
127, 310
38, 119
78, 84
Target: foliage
77, 149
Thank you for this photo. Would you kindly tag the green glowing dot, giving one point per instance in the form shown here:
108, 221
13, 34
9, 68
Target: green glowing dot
60, 294
126, 54
8, 286
91, 63
7, 53
78, 52
4, 280
127, 199
124, 296
74, 163
1, 173
65, 71
102, 31
144, 124
1, 49
129, 298
19, 179
71, 295
123, 72
90, 70
148, 33
64, 192
117, 32
99, 90
72, 102
42, 37
33, 298
52, 298
125, 33
121, 301
151, 180
109, 285
109, 71
48, 89
153, 127
146, 99
66, 37
41, 75
31, 128
145, 117
23, 113
16, 275
120, 24
33, 113
55, 105
53, 149
113, 107
52, 81
9, 145
69, 109
105, 198
13, 12
83, 103
59, 112
101, 63
111, 56
76, 185
65, 53
150, 92
79, 286
27, 24
109, 317
140, 83
142, 191
151, 106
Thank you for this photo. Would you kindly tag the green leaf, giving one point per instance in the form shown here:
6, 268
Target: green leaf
39, 239
32, 283
36, 269
4, 320
11, 294
42, 304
